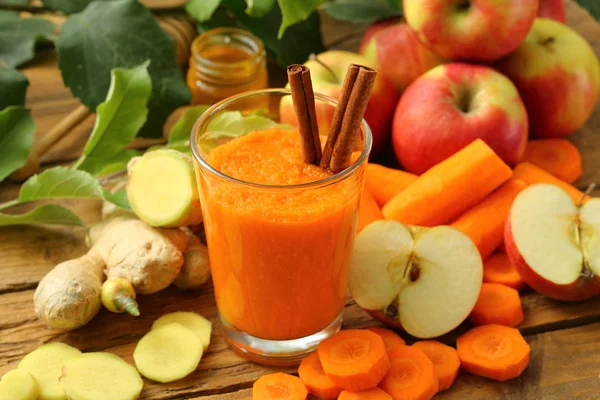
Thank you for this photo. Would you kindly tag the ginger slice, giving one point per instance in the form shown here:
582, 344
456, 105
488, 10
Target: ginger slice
19, 385
201, 326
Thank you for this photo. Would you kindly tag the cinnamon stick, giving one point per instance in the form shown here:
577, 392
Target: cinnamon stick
348, 116
304, 105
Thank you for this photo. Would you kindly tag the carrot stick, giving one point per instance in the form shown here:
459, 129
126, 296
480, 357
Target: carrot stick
445, 361
316, 380
279, 386
449, 188
484, 223
531, 174
368, 211
354, 359
371, 394
412, 375
493, 351
497, 268
497, 304
384, 183
557, 156
390, 338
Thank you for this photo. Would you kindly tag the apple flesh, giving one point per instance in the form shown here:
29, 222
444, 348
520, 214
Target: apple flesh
476, 30
554, 9
558, 76
451, 106
425, 280
555, 243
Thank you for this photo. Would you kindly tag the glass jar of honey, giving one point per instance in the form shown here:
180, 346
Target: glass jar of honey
225, 62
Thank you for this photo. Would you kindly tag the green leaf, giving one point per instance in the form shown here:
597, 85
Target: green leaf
118, 198
259, 8
294, 11
16, 137
67, 6
18, 37
121, 33
361, 11
592, 6
13, 86
182, 130
45, 214
118, 119
202, 10
118, 162
60, 183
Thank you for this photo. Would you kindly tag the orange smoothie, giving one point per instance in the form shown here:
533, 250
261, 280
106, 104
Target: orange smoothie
279, 256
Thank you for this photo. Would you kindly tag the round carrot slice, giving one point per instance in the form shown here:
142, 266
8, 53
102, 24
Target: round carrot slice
279, 386
354, 359
445, 361
371, 394
493, 351
316, 380
497, 304
412, 375
557, 156
497, 268
390, 338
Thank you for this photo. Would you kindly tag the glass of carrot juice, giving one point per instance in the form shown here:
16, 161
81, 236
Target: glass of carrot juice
279, 231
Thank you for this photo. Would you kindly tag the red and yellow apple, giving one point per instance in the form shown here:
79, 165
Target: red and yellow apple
423, 280
478, 30
558, 76
396, 52
451, 106
327, 75
554, 9
554, 242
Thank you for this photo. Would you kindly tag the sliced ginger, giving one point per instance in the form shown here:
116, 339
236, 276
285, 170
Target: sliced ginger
194, 322
100, 376
19, 385
45, 364
168, 353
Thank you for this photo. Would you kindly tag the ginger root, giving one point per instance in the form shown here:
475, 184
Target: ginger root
195, 271
118, 296
19, 385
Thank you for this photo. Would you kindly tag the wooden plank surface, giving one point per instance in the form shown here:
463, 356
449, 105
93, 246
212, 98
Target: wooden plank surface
565, 337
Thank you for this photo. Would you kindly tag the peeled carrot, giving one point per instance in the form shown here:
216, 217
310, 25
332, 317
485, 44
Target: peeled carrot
354, 359
531, 174
445, 361
279, 386
384, 183
484, 223
368, 211
497, 268
412, 375
497, 304
450, 188
493, 351
390, 338
557, 156
316, 380
371, 394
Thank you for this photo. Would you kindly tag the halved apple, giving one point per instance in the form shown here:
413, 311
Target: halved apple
555, 243
425, 280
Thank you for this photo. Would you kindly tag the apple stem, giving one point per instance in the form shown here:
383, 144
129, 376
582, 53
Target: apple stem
314, 57
548, 41
587, 193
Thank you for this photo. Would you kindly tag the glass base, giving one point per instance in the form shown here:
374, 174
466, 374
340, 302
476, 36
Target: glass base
276, 352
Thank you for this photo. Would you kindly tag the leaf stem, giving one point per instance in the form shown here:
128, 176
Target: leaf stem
9, 204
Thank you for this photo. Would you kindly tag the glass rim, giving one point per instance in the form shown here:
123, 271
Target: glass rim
254, 57
219, 106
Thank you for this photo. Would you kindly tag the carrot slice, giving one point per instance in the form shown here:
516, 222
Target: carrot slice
445, 361
412, 375
493, 351
484, 223
450, 188
354, 359
279, 386
371, 394
497, 304
368, 211
497, 268
557, 156
390, 338
384, 183
531, 174
316, 380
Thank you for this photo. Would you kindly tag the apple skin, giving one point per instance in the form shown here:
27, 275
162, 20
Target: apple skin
382, 102
396, 52
554, 9
429, 125
475, 30
558, 76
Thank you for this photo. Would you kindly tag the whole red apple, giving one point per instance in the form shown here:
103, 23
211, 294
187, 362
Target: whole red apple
558, 76
554, 9
479, 30
451, 106
396, 52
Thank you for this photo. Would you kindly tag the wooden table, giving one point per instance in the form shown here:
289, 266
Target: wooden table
564, 337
